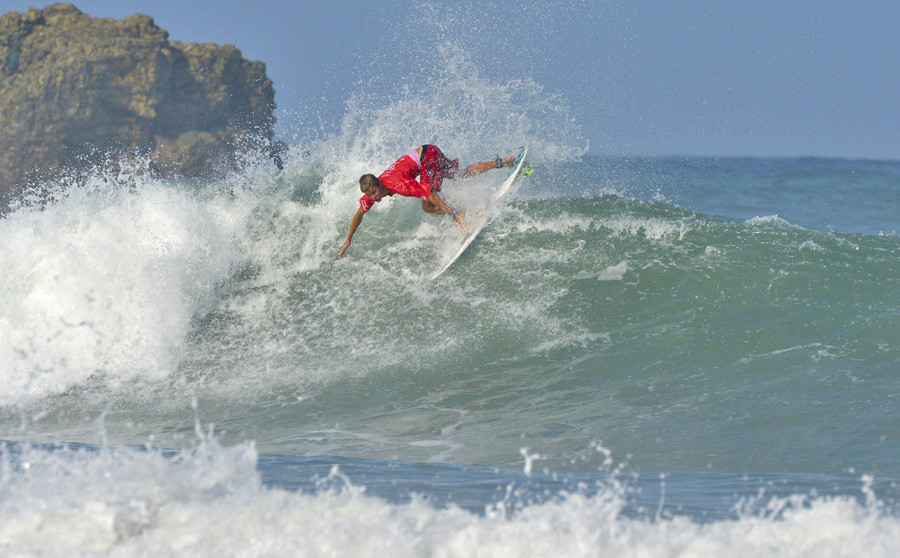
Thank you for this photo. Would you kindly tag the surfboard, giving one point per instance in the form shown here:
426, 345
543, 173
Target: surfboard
501, 191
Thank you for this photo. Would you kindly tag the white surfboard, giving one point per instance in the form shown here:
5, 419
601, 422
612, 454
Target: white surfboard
501, 191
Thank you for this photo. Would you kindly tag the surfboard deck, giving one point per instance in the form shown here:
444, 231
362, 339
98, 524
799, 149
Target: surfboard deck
501, 191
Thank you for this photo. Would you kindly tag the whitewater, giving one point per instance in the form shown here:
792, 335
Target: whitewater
666, 356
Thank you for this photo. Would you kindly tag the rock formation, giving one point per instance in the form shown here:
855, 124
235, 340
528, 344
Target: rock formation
77, 92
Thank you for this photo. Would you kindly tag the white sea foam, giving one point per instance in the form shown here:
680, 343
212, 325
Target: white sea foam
810, 245
771, 221
108, 278
611, 273
211, 502
654, 228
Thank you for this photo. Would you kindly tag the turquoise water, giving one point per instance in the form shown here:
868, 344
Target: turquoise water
632, 345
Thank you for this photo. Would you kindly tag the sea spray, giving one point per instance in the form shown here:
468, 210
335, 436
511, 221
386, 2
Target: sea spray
102, 286
210, 500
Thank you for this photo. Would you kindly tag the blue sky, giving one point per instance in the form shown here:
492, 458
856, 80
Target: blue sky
758, 78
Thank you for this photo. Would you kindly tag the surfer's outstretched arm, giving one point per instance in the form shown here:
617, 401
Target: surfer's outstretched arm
354, 224
443, 207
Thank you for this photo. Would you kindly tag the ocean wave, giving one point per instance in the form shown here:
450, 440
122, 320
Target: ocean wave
103, 285
211, 501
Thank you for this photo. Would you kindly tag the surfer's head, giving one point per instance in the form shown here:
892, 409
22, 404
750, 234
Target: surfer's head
372, 187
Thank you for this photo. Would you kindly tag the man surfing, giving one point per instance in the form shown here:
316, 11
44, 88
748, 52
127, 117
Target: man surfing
427, 162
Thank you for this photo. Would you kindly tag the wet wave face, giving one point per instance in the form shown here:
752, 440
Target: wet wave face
579, 317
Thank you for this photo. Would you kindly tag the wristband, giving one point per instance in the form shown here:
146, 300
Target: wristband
452, 215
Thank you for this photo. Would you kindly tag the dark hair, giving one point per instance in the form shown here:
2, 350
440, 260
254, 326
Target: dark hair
367, 181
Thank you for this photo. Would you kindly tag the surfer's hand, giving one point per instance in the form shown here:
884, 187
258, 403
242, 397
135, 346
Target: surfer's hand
344, 249
461, 222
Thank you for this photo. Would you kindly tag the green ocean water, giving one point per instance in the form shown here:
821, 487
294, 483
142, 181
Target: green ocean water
630, 344
688, 341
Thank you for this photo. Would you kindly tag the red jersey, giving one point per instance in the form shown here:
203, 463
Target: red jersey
400, 178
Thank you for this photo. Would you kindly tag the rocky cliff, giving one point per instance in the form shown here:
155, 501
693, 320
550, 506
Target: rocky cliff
77, 92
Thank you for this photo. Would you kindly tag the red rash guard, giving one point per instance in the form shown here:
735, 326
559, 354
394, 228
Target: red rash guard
400, 178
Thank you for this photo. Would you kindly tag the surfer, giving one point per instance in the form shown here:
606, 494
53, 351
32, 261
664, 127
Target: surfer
427, 162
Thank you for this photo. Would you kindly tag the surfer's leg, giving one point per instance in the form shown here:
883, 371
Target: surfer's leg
435, 167
478, 168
